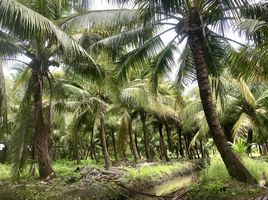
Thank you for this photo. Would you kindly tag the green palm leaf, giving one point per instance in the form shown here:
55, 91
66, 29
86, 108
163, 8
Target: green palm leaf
101, 20
163, 63
20, 144
27, 24
243, 124
138, 58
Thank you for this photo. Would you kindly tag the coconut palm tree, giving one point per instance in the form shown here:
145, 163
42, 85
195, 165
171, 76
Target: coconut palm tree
46, 39
192, 21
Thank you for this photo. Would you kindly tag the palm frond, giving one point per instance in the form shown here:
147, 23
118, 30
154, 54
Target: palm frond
135, 95
163, 63
29, 25
133, 37
138, 57
20, 144
65, 89
186, 71
248, 63
101, 20
9, 46
243, 124
250, 99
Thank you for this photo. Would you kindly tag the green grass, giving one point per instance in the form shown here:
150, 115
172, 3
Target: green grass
154, 172
216, 182
4, 172
63, 167
217, 169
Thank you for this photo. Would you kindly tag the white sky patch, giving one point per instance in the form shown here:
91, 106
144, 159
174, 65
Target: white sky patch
2, 146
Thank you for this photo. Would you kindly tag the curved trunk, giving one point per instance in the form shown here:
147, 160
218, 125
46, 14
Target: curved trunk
232, 162
41, 133
132, 142
103, 142
145, 136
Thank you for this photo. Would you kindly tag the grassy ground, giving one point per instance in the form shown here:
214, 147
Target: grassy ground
217, 184
72, 185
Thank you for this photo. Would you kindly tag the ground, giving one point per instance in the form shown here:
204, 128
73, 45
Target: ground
89, 181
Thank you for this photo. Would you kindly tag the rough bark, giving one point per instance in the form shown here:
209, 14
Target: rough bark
103, 142
132, 142
232, 162
41, 134
145, 136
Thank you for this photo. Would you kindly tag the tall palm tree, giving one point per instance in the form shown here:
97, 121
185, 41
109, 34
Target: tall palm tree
46, 39
193, 22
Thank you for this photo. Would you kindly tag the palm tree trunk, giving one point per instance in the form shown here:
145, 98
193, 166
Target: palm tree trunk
145, 136
163, 149
260, 150
136, 143
187, 145
233, 164
202, 149
103, 142
168, 130
132, 142
41, 151
249, 141
114, 146
78, 146
3, 102
179, 130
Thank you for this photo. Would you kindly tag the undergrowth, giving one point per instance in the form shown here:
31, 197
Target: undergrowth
216, 182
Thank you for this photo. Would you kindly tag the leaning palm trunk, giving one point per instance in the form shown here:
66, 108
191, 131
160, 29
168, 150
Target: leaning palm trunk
232, 162
41, 152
